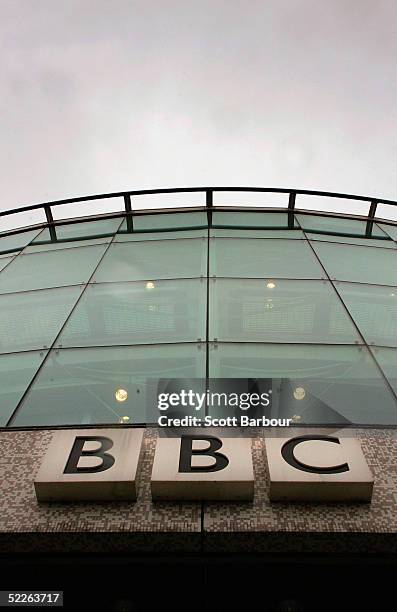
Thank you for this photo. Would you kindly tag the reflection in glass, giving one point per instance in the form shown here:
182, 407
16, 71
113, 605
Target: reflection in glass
342, 384
69, 244
78, 386
387, 359
16, 373
75, 234
142, 320
32, 319
61, 268
138, 313
390, 230
369, 242
374, 310
278, 311
124, 236
234, 232
15, 242
254, 220
263, 259
358, 263
335, 225
153, 260
4, 261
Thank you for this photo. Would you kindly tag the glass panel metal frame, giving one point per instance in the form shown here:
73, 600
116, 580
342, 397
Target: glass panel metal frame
305, 311
140, 312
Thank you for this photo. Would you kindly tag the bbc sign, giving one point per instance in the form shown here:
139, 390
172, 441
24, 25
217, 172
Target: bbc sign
102, 464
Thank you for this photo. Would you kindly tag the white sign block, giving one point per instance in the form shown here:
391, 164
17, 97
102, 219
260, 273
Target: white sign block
318, 468
203, 468
90, 464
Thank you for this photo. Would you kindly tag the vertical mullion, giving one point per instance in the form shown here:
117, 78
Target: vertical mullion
128, 210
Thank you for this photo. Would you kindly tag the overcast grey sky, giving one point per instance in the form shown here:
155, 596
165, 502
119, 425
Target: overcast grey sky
106, 95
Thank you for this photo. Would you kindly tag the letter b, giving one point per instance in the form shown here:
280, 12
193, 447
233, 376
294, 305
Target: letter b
187, 452
77, 452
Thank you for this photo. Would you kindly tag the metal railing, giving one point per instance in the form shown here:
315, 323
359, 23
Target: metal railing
128, 202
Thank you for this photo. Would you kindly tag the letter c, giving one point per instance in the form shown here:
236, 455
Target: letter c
287, 453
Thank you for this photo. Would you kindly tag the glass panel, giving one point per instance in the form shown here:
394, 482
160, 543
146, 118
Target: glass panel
387, 359
169, 221
233, 232
56, 246
391, 230
44, 270
263, 259
142, 236
133, 313
32, 320
75, 235
78, 386
370, 242
16, 373
253, 220
374, 309
312, 384
333, 225
153, 260
4, 261
17, 241
357, 263
279, 311
79, 231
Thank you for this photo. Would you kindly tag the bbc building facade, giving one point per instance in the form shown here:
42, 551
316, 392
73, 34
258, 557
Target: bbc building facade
104, 298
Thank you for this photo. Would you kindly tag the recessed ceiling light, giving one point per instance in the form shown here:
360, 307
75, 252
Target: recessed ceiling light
299, 393
121, 395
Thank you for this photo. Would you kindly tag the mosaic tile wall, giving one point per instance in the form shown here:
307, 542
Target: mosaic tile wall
192, 527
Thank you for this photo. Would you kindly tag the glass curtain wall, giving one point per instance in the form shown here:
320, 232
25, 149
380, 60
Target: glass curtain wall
95, 314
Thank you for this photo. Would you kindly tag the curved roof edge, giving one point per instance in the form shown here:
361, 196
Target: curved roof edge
371, 207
